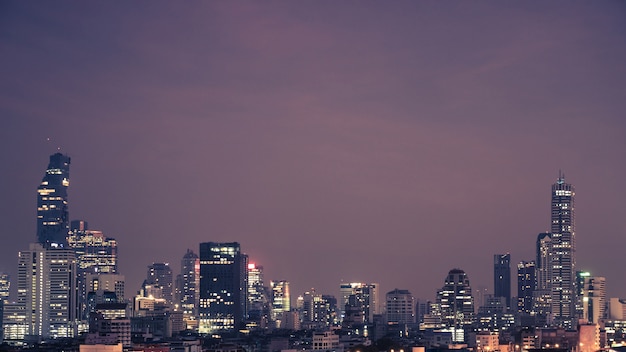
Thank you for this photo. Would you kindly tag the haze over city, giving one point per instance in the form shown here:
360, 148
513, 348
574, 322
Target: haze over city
335, 141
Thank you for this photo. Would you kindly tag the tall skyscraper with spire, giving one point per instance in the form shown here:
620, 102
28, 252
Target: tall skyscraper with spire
52, 212
563, 249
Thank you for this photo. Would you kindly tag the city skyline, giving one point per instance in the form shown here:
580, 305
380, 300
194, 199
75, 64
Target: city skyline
334, 142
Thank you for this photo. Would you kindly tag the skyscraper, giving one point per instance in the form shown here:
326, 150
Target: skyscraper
258, 300
367, 296
502, 277
52, 210
281, 301
160, 274
96, 254
563, 299
46, 287
223, 287
542, 294
189, 283
455, 304
525, 286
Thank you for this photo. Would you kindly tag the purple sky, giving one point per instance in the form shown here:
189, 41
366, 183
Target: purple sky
360, 141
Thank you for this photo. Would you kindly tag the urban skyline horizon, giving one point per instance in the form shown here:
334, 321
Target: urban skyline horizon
478, 292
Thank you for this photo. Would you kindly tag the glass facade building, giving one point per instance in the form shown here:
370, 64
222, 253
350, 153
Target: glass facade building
52, 210
223, 287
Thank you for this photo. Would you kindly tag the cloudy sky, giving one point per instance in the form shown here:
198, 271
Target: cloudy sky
355, 140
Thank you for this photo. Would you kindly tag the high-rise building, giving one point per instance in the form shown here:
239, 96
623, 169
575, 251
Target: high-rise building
317, 311
258, 300
502, 277
223, 287
52, 209
5, 287
525, 286
189, 283
455, 304
281, 301
563, 292
96, 254
400, 307
160, 274
542, 294
367, 296
594, 303
46, 287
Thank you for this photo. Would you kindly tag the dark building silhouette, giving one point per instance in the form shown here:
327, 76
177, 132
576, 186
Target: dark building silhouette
502, 277
525, 286
223, 287
52, 210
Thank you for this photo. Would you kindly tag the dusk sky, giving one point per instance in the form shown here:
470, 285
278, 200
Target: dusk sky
370, 141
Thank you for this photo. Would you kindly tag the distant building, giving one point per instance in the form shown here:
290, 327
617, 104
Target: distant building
223, 287
455, 304
281, 300
161, 274
367, 296
563, 294
14, 325
326, 341
594, 302
317, 311
52, 209
502, 277
96, 255
525, 286
47, 289
542, 294
5, 287
189, 283
400, 307
258, 297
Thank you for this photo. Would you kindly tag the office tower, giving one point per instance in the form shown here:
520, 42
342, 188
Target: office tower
593, 298
281, 301
14, 323
46, 287
542, 295
258, 303
189, 283
400, 306
525, 286
160, 274
494, 315
366, 294
502, 277
563, 298
455, 304
95, 254
5, 287
223, 287
52, 211
317, 311
102, 288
